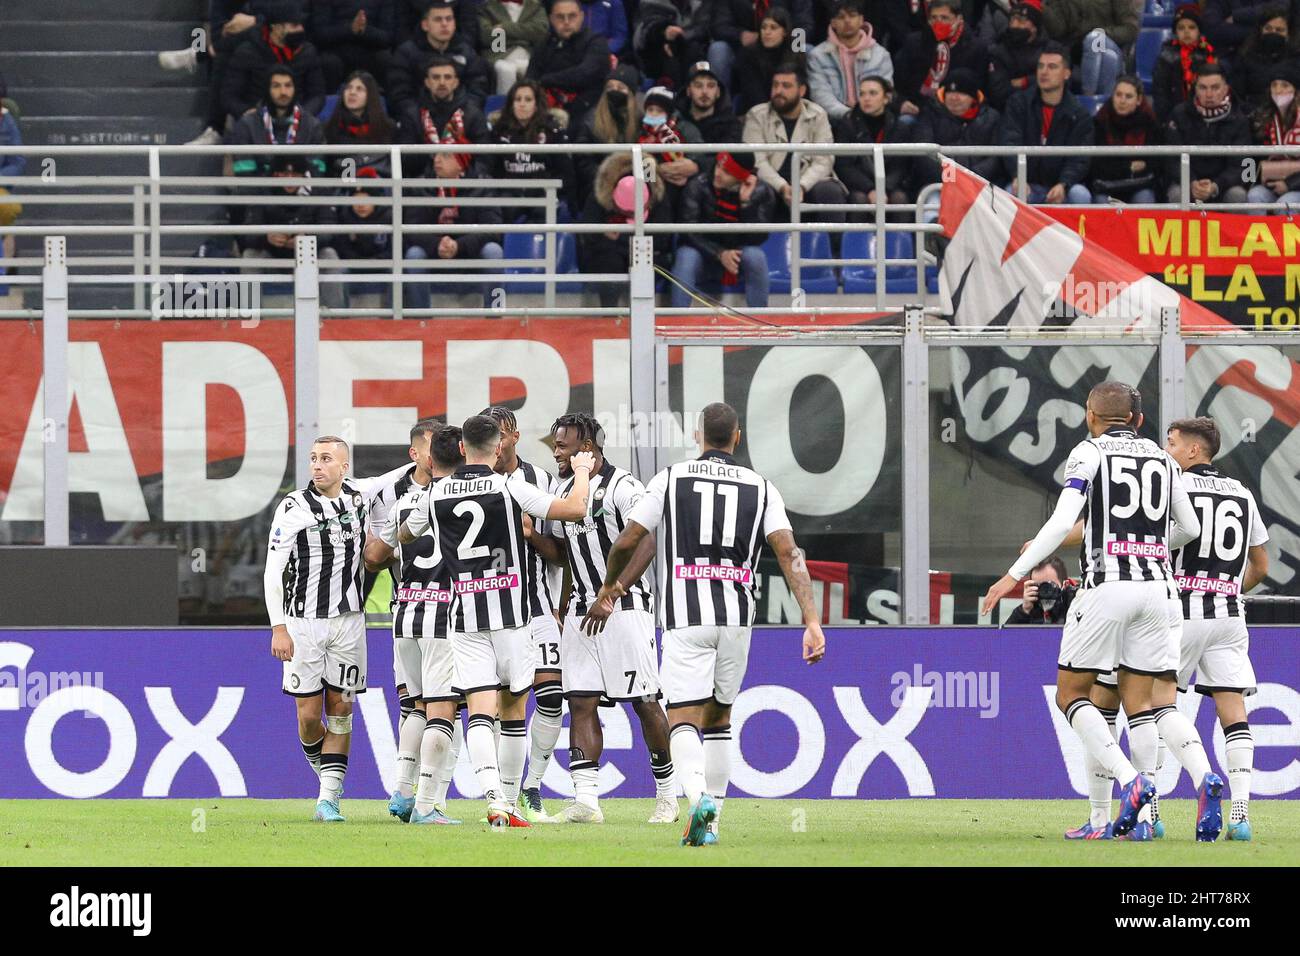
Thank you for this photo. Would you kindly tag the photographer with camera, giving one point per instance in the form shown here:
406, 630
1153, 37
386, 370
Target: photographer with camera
1048, 593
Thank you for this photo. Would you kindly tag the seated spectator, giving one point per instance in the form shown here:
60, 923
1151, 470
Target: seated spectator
1036, 609
613, 201
893, 21
439, 36
731, 192
1175, 69
927, 57
1278, 124
737, 25
1013, 59
1096, 33
572, 64
872, 121
849, 55
789, 117
756, 64
360, 120
467, 24
281, 42
353, 35
229, 25
616, 119
512, 32
279, 119
525, 121
276, 214
1049, 115
10, 165
473, 244
661, 125
1209, 118
959, 116
607, 18
364, 211
706, 105
1126, 119
1229, 23
1260, 55
442, 105
670, 35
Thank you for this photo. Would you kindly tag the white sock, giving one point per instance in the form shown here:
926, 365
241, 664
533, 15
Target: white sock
1239, 754
333, 768
661, 766
1091, 727
1100, 784
408, 752
586, 779
1183, 741
1143, 745
433, 753
312, 753
483, 754
717, 766
688, 759
512, 748
1161, 752
449, 762
544, 731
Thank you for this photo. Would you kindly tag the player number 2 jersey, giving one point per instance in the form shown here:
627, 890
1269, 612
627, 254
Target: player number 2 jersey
1209, 571
713, 516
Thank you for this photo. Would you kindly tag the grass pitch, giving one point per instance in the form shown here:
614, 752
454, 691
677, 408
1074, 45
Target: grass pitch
221, 832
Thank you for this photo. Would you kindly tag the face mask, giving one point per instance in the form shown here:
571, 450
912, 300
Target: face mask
1283, 100
657, 120
1272, 44
294, 40
1017, 36
617, 98
943, 31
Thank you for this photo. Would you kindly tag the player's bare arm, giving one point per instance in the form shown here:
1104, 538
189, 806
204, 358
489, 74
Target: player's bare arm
795, 570
550, 548
1256, 566
281, 643
378, 555
628, 559
573, 506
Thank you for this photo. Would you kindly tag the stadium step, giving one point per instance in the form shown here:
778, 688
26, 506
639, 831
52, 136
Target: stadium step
95, 35
82, 11
90, 101
103, 70
110, 130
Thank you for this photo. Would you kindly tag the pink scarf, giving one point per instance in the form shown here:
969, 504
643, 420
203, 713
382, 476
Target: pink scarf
847, 56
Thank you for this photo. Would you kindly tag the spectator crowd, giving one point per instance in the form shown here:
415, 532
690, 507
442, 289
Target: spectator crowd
371, 73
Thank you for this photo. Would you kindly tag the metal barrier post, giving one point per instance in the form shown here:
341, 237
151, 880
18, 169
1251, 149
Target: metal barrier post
54, 429
398, 248
549, 247
641, 331
1173, 368
882, 196
306, 355
914, 587
137, 246
155, 220
1184, 180
1022, 176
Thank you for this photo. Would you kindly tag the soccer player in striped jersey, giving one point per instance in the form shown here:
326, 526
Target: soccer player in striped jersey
548, 692
313, 575
1135, 511
427, 738
477, 520
622, 665
714, 516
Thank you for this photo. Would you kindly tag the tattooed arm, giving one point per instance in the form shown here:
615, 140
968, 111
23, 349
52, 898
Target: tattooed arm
795, 569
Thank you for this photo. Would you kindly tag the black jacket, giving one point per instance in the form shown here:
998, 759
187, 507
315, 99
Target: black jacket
1141, 129
1167, 88
1252, 73
577, 66
440, 112
751, 76
1245, 20
594, 248
246, 76
858, 173
1055, 616
266, 217
470, 243
937, 125
1011, 69
1023, 126
406, 78
330, 23
364, 245
730, 17
529, 165
1186, 127
250, 130
913, 64
723, 126
700, 204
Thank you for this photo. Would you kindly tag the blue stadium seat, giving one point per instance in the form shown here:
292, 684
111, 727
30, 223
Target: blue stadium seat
523, 245
494, 103
1092, 103
900, 277
813, 279
327, 110
1148, 49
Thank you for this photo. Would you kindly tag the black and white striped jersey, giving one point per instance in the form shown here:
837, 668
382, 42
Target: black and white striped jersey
1132, 486
323, 538
540, 598
477, 519
1210, 570
612, 495
422, 593
713, 516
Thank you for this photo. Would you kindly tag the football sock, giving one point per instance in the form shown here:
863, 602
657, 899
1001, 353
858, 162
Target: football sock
312, 752
717, 766
688, 757
1239, 755
333, 768
1183, 741
586, 776
1091, 727
661, 765
481, 743
449, 761
512, 748
1100, 784
405, 705
544, 731
1143, 742
433, 753
408, 752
